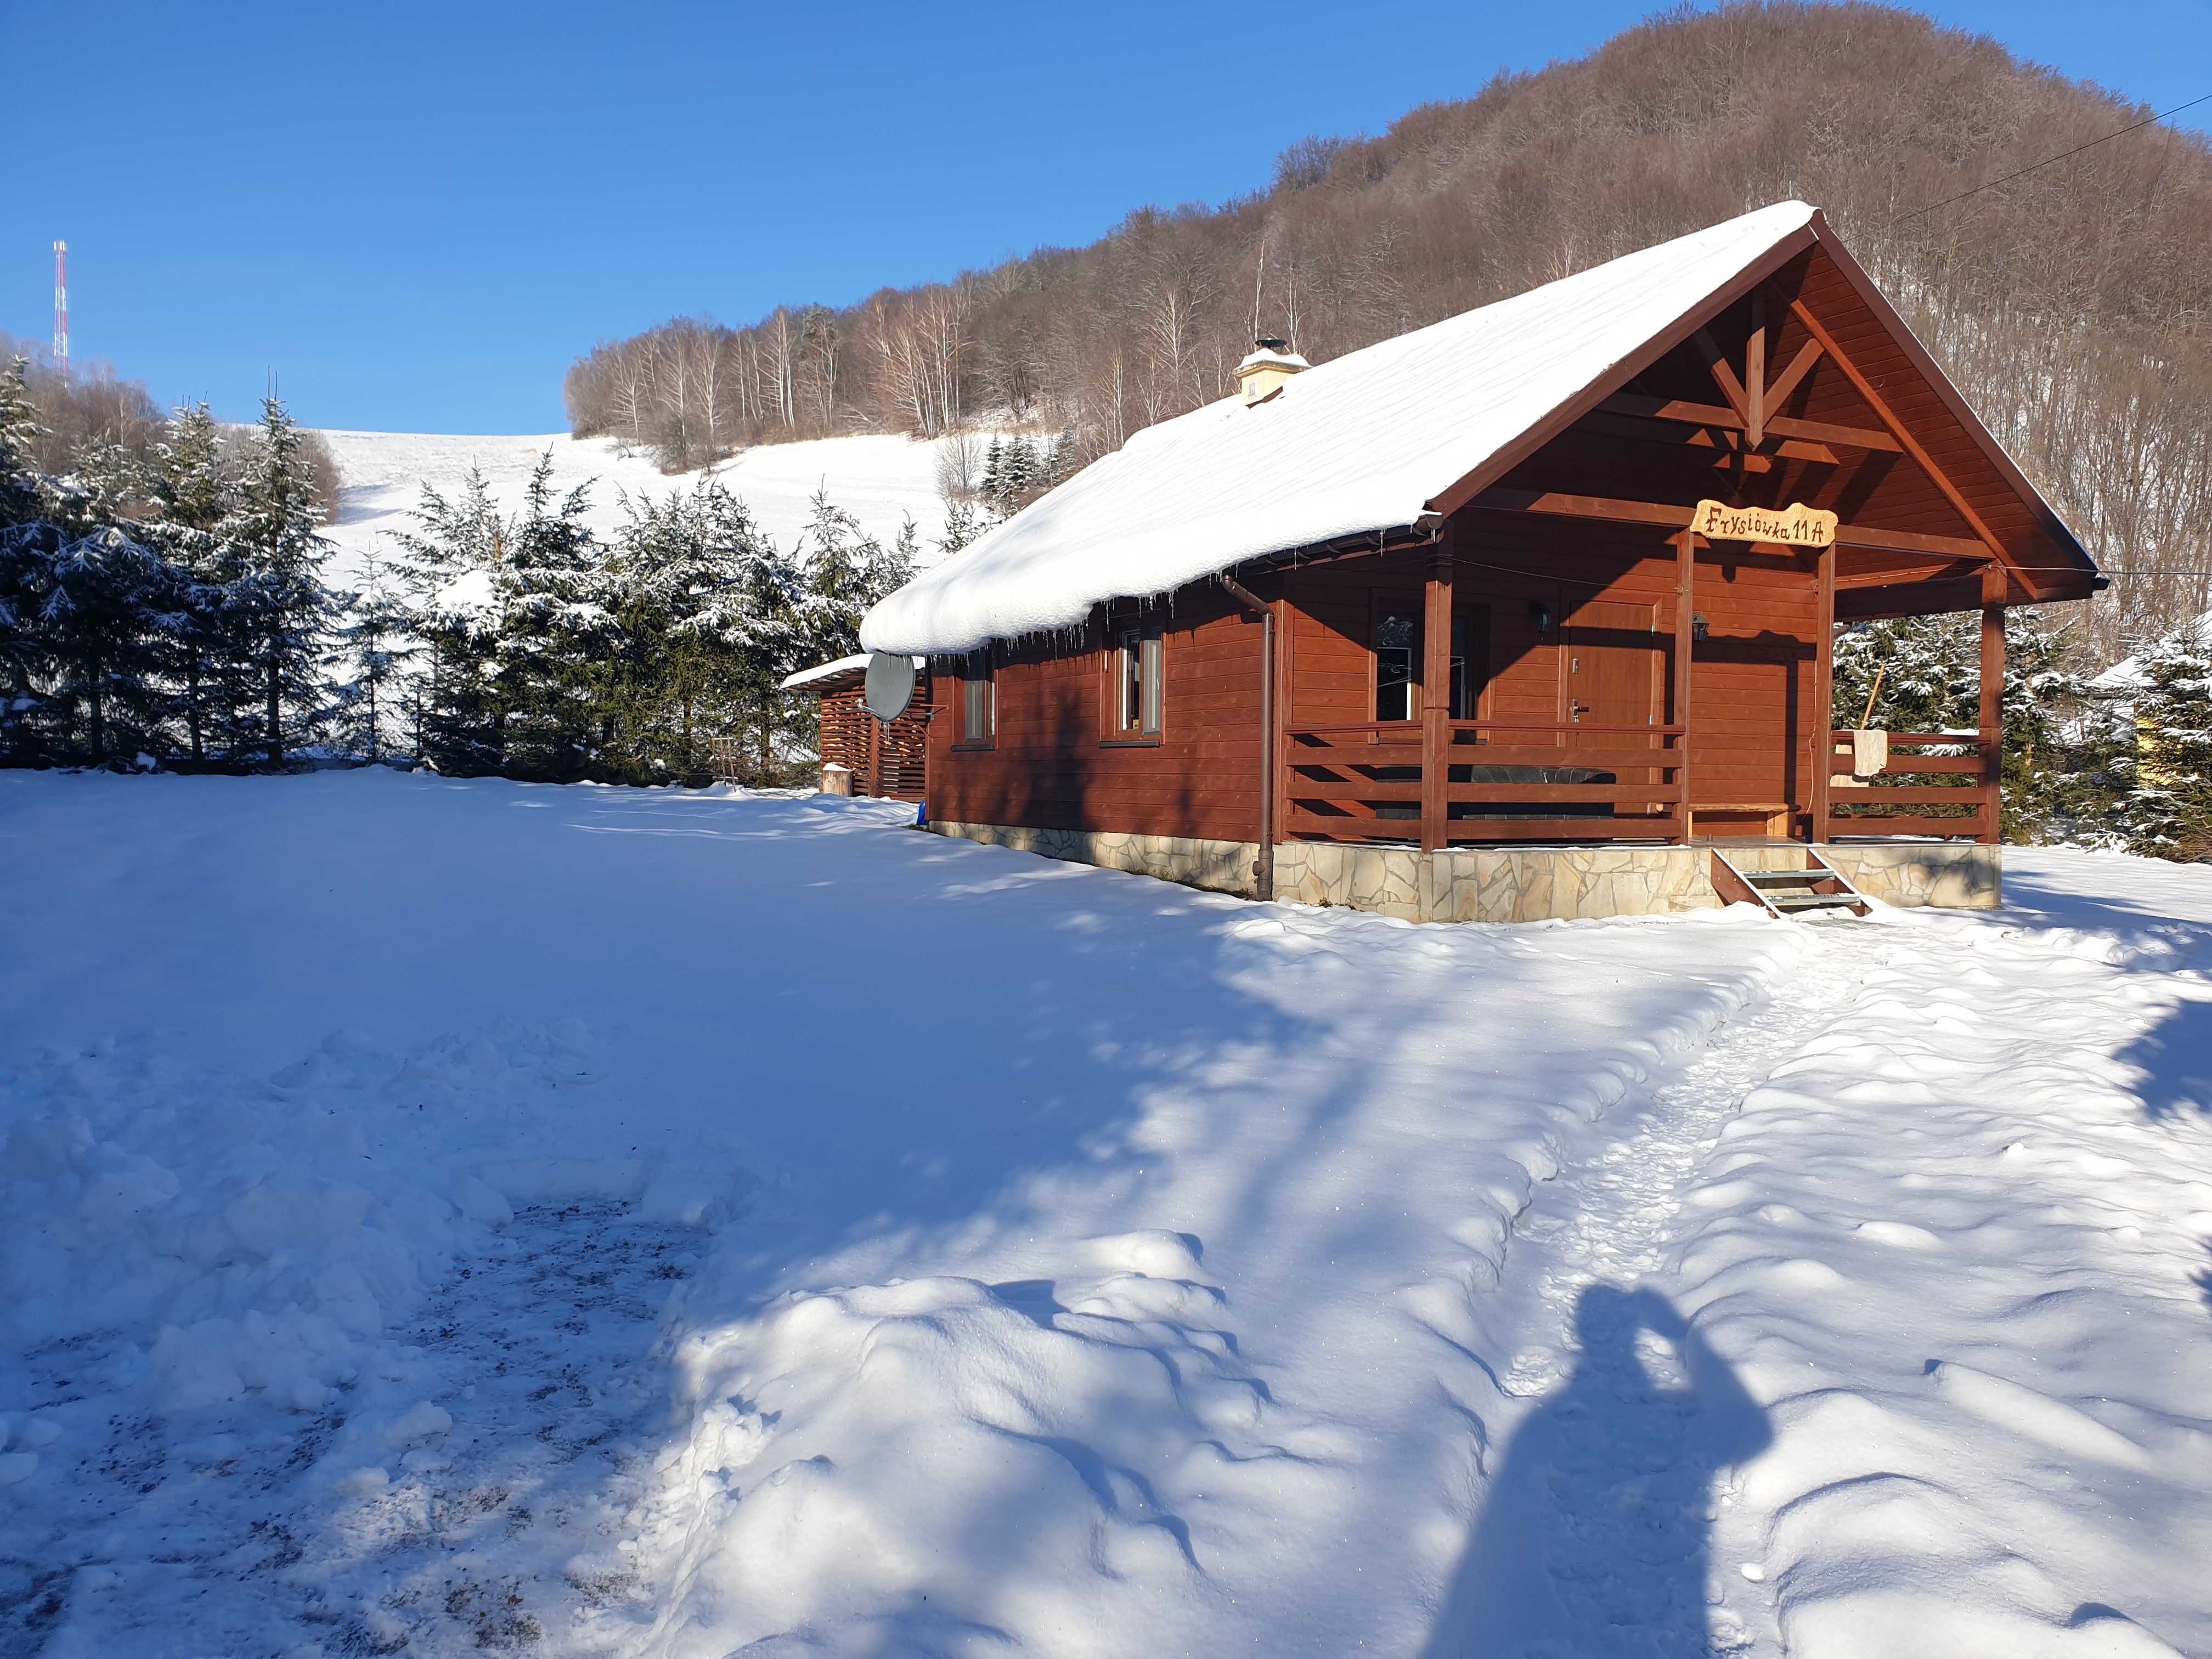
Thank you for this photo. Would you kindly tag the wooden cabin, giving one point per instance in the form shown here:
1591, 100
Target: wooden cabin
891, 760
1529, 613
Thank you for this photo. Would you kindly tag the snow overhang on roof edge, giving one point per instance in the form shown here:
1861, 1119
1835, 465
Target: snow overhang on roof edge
1364, 442
856, 664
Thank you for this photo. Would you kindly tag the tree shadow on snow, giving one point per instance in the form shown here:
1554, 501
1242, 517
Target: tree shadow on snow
2175, 1057
1593, 1537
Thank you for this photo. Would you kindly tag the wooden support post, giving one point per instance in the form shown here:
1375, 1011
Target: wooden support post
1436, 699
1686, 615
875, 753
1992, 707
1824, 690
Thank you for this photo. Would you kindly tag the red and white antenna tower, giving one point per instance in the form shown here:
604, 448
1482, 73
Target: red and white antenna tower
61, 309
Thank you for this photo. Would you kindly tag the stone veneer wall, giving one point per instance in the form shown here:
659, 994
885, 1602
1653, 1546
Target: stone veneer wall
1952, 875
1509, 883
1219, 866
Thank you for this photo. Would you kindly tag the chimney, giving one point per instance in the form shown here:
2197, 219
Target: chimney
1261, 375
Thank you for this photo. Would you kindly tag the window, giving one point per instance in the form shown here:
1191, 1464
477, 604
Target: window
1470, 663
1397, 660
1134, 691
979, 699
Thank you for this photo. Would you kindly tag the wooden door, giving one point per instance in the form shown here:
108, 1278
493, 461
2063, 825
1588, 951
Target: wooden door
1610, 662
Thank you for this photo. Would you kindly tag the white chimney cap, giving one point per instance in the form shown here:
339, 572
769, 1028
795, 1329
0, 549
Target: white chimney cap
1263, 358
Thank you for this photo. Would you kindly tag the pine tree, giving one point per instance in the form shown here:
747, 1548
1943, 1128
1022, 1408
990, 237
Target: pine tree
962, 525
193, 500
709, 615
375, 646
21, 500
282, 613
554, 624
449, 565
847, 573
2169, 811
103, 621
25, 567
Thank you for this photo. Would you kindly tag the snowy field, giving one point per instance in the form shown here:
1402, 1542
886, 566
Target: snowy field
882, 480
445, 1217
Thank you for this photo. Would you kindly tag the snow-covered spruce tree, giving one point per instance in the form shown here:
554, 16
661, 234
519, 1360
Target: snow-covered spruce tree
991, 488
847, 572
962, 525
2167, 813
23, 567
279, 613
193, 500
85, 608
555, 624
105, 622
709, 614
447, 567
375, 645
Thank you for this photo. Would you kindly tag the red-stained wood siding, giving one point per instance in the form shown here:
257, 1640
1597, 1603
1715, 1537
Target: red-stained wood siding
898, 767
1752, 676
1052, 764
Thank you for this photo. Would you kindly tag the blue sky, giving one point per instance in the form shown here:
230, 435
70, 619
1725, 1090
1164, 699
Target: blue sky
416, 214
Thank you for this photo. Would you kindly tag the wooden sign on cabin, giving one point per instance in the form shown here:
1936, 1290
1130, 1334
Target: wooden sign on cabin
1795, 526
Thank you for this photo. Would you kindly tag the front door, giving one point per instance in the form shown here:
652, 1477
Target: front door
1612, 659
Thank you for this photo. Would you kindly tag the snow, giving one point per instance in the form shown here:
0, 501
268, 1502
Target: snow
829, 671
1364, 442
472, 1215
883, 481
2128, 675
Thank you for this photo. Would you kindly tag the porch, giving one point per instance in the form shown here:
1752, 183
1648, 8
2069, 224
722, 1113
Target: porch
1617, 688
1474, 783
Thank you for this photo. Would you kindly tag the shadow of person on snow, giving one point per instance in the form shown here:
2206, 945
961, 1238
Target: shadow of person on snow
1592, 1540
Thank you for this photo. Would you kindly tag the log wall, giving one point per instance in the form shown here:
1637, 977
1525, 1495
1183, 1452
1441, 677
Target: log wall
1051, 764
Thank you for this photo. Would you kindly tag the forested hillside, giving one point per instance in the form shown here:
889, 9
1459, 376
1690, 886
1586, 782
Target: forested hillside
2072, 304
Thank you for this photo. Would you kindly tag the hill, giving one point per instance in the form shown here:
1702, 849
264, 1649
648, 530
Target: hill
881, 479
2070, 304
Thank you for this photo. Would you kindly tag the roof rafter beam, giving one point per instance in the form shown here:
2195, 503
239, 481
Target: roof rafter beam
1690, 414
1905, 441
1779, 388
1723, 375
1667, 515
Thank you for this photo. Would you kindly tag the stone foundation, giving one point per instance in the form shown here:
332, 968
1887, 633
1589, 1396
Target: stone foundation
1511, 883
1218, 866
1950, 875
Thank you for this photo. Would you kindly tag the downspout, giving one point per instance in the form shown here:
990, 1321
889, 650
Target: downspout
1263, 867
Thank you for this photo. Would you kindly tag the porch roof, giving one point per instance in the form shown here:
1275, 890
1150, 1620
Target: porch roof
1364, 442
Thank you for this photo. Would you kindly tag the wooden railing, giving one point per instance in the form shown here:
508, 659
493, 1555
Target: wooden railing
1502, 783
1935, 783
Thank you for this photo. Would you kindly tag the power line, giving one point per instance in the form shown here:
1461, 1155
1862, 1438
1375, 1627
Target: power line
2049, 161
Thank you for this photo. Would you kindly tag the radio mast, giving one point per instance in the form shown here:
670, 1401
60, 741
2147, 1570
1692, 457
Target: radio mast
61, 309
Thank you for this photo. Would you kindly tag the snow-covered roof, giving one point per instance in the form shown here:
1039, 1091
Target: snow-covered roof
1363, 442
856, 664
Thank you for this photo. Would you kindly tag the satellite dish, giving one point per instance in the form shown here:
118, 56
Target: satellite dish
891, 685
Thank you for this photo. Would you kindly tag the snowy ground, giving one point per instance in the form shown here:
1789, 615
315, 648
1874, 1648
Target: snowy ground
450, 1217
882, 480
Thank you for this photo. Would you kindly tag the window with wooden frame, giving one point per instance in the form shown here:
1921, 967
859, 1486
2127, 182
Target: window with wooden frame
1136, 690
1397, 650
979, 701
1470, 660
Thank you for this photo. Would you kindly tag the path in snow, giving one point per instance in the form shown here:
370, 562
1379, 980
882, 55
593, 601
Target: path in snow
461, 1501
1600, 1487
